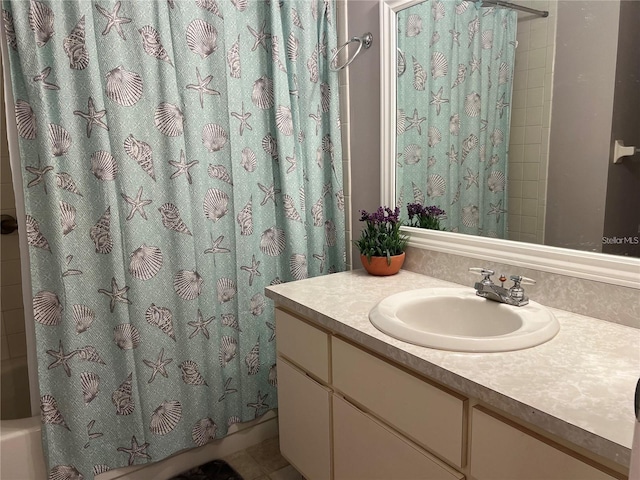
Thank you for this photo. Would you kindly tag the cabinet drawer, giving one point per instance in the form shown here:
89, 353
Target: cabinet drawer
304, 422
367, 450
504, 450
303, 344
428, 415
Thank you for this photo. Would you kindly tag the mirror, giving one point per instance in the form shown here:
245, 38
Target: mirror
575, 90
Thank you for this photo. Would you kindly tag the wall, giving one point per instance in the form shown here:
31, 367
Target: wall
581, 123
621, 223
530, 122
364, 110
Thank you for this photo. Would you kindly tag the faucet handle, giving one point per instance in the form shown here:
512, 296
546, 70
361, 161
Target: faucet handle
485, 272
519, 279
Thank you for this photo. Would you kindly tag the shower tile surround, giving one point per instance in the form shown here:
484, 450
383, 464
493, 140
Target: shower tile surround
577, 358
530, 122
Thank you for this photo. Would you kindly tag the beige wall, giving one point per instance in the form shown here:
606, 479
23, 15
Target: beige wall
530, 121
581, 118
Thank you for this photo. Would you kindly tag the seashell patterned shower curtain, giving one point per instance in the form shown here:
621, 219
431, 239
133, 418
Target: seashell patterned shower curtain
177, 158
455, 76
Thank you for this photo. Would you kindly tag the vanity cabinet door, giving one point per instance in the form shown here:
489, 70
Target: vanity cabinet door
365, 449
425, 413
304, 422
303, 344
501, 450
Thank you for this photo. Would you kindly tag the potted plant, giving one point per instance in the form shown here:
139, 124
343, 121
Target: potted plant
381, 243
424, 217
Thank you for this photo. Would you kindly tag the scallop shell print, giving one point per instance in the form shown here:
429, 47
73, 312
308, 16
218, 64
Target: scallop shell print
228, 350
245, 219
201, 38
216, 204
169, 120
152, 45
439, 65
249, 160
187, 284
284, 120
220, 172
270, 146
437, 10
83, 317
226, 289
414, 25
59, 140
436, 185
496, 182
472, 104
190, 373
9, 29
293, 47
34, 237
26, 120
252, 360
401, 67
65, 472
468, 144
214, 137
165, 418
203, 431
67, 217
412, 154
470, 216
145, 262
171, 219
123, 87
141, 152
47, 309
74, 47
257, 304
434, 135
419, 75
273, 242
162, 318
330, 233
50, 413
104, 166
100, 233
504, 72
418, 196
262, 93
90, 383
233, 60
122, 399
126, 336
298, 266
41, 22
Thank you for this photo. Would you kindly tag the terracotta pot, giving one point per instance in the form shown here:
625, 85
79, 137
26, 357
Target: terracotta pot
379, 266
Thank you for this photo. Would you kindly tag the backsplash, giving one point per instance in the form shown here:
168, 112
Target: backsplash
586, 297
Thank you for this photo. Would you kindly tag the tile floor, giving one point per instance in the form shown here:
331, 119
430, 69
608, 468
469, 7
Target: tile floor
263, 462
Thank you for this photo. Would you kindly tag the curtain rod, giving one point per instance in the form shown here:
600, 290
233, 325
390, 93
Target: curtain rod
499, 3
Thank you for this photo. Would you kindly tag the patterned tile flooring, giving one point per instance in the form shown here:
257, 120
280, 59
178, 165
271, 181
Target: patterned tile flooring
263, 462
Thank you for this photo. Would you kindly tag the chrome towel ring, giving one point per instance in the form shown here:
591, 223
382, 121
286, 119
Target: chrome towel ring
365, 40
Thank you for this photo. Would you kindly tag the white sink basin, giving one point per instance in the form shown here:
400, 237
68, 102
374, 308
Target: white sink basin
457, 319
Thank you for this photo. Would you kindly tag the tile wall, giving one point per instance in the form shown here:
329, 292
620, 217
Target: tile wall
13, 336
530, 121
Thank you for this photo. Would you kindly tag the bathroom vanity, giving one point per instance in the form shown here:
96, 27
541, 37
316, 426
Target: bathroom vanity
355, 403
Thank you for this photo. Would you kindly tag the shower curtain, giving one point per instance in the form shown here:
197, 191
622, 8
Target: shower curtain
455, 73
178, 157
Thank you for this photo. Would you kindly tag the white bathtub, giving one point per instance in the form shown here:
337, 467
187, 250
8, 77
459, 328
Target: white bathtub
22, 458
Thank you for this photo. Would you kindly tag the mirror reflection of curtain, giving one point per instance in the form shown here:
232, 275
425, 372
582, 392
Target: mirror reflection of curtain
455, 73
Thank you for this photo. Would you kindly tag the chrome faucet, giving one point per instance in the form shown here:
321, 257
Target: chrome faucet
498, 293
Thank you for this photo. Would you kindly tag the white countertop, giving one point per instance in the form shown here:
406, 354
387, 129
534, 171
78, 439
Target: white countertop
578, 386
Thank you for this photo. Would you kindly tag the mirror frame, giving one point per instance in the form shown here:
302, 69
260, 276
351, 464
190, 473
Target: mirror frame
616, 270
